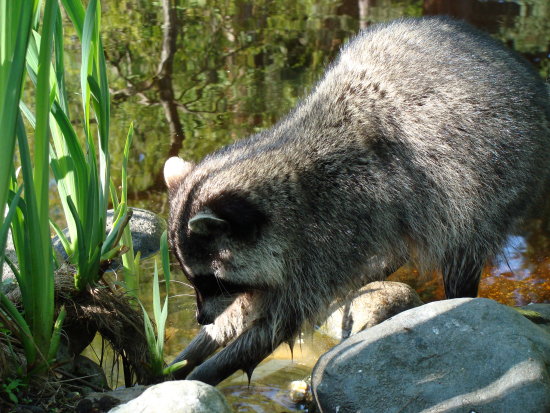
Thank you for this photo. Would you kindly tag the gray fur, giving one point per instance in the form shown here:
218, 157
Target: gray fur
425, 141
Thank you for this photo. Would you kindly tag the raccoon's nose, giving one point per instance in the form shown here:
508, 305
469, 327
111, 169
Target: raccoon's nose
203, 318
201, 315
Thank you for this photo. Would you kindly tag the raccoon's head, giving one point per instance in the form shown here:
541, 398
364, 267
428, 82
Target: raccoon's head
220, 236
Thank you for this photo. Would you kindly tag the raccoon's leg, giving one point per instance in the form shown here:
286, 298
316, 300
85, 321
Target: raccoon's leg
244, 353
462, 272
198, 350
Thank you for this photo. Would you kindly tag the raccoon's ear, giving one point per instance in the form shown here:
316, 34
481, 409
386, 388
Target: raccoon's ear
175, 169
206, 223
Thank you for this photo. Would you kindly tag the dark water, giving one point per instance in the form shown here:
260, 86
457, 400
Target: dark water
234, 69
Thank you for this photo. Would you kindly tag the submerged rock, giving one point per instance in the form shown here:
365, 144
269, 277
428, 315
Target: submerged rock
371, 305
460, 355
105, 401
185, 396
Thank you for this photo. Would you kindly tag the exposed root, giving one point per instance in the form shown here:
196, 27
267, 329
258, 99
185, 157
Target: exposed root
100, 309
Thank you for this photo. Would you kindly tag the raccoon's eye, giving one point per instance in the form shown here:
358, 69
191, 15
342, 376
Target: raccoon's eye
245, 220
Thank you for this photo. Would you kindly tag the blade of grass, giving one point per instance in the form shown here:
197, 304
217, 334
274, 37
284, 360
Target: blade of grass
59, 65
76, 13
24, 330
15, 33
6, 226
129, 261
118, 226
42, 313
56, 334
165, 260
62, 238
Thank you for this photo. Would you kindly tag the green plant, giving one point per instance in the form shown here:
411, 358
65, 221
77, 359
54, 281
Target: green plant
31, 41
11, 387
28, 216
155, 340
83, 182
130, 262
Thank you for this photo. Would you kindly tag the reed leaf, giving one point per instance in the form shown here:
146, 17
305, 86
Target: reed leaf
4, 228
15, 29
42, 286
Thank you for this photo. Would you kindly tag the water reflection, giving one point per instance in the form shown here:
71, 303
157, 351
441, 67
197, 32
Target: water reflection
512, 262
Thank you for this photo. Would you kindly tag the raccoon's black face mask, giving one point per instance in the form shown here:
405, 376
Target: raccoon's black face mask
215, 240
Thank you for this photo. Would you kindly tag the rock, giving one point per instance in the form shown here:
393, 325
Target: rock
90, 371
96, 402
300, 392
146, 228
368, 307
460, 355
7, 280
185, 396
544, 311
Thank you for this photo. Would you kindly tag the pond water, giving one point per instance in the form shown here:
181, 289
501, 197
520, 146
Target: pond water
236, 67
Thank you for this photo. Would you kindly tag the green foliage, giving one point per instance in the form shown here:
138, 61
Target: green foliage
155, 339
130, 262
82, 175
15, 28
11, 387
29, 222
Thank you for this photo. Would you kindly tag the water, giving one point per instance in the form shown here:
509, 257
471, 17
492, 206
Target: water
238, 66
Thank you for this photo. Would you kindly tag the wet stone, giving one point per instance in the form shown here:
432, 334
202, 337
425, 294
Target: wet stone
369, 306
185, 396
457, 355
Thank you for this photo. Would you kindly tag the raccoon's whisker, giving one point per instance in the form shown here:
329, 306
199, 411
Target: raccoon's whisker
223, 288
182, 283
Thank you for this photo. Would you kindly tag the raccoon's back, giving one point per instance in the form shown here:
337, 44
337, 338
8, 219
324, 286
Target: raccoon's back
429, 105
441, 97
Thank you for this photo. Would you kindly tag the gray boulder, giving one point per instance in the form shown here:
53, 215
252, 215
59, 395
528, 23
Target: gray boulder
461, 355
185, 396
369, 306
542, 317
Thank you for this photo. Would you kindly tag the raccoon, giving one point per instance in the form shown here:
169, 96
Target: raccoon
426, 141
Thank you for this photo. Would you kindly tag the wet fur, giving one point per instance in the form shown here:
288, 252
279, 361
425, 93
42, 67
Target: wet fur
425, 141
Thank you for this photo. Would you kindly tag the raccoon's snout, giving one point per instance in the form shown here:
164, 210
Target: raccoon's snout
209, 285
214, 295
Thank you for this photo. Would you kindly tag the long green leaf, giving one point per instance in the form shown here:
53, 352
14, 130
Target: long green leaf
165, 260
80, 276
37, 284
56, 334
26, 336
76, 13
6, 226
156, 296
15, 31
59, 64
43, 281
118, 226
62, 238
124, 173
87, 61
